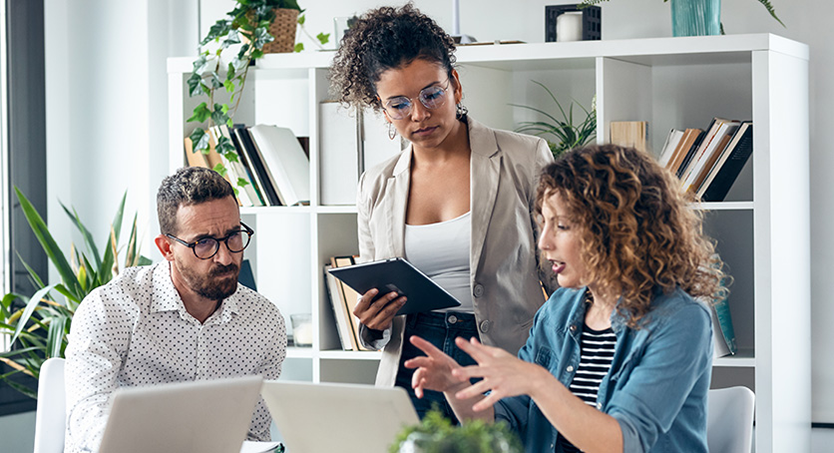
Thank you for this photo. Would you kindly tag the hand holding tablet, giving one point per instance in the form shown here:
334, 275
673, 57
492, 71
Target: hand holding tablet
400, 276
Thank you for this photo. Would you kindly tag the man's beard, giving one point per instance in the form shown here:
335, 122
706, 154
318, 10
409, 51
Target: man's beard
211, 286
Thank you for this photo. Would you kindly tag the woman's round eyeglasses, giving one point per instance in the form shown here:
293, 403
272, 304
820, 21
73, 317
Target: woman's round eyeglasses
205, 248
431, 97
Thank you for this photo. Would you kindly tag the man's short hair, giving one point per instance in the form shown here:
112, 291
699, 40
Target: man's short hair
188, 186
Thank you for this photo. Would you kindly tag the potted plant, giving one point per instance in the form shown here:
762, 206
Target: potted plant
39, 328
435, 434
696, 17
567, 135
259, 27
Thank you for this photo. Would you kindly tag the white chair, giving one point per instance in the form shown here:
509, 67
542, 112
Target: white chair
730, 420
50, 421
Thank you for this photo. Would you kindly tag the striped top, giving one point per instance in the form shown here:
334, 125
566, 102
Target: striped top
597, 352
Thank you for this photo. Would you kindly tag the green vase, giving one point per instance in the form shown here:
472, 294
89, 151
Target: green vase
696, 17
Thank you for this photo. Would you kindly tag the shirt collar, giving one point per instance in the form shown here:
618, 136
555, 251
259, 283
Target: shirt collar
165, 296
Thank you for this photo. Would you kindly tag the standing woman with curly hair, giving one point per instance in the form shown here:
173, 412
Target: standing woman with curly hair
457, 202
620, 357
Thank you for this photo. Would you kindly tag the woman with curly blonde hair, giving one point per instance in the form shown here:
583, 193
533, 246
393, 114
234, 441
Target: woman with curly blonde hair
620, 357
458, 202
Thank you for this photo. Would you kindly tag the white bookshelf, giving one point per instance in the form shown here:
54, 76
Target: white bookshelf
762, 229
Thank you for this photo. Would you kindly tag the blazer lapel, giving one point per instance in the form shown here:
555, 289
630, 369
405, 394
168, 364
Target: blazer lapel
485, 166
398, 185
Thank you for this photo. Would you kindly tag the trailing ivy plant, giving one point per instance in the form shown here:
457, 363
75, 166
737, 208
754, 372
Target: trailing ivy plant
567, 135
247, 25
40, 326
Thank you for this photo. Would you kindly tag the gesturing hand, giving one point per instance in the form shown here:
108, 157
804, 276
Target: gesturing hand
504, 374
434, 371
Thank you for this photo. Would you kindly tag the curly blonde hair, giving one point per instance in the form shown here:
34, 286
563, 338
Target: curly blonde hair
638, 232
382, 39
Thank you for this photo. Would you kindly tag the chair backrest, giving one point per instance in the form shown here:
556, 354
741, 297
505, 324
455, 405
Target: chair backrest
50, 421
730, 420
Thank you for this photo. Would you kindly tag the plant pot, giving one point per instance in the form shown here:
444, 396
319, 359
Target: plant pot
283, 29
696, 17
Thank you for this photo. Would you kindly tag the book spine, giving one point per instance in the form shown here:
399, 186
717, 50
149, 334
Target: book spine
729, 171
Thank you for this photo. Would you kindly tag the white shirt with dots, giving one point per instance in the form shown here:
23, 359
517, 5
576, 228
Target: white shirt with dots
135, 331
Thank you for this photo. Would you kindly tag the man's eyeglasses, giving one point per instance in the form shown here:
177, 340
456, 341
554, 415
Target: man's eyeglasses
206, 248
431, 97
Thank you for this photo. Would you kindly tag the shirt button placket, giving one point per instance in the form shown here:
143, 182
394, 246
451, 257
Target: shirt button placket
201, 353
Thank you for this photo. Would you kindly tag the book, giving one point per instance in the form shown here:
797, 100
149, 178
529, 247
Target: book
343, 323
634, 134
339, 150
286, 164
237, 174
689, 153
194, 159
690, 135
349, 298
723, 333
729, 165
256, 164
692, 156
708, 156
244, 163
673, 139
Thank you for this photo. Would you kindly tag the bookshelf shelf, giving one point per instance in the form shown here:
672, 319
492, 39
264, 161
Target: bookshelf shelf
743, 358
762, 229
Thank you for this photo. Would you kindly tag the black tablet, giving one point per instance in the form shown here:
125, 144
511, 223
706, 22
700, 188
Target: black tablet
397, 274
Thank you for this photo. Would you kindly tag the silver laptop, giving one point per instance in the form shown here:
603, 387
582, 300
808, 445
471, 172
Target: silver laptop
348, 418
201, 416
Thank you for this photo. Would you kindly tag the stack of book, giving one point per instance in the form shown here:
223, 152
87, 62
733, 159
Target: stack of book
632, 134
343, 298
269, 167
708, 161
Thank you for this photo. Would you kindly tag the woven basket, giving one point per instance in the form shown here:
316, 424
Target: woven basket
283, 29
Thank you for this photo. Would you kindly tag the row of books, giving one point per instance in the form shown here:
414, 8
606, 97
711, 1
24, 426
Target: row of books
270, 167
343, 298
709, 161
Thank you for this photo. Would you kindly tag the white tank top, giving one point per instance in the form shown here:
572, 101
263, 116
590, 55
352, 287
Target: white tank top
441, 251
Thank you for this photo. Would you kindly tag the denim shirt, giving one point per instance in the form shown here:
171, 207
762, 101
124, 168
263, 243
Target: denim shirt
657, 385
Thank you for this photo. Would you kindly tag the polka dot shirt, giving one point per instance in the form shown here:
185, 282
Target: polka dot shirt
135, 331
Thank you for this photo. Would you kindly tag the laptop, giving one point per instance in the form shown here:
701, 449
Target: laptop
346, 418
200, 416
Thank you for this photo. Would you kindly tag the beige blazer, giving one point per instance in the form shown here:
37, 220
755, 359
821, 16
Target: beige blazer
504, 272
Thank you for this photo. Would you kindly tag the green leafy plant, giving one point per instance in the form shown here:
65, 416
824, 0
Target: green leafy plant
39, 328
567, 134
246, 25
436, 434
765, 3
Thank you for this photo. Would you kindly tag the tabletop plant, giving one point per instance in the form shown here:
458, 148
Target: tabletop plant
436, 434
766, 3
40, 326
567, 135
247, 25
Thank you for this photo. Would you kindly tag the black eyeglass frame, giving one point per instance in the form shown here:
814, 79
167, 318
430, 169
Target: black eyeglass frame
192, 245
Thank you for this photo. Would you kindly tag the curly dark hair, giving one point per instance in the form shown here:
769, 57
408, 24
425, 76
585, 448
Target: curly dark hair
638, 230
188, 186
383, 39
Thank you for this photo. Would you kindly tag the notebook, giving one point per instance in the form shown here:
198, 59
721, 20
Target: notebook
345, 418
204, 416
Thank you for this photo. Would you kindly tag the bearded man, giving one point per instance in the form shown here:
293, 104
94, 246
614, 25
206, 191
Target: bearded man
184, 319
